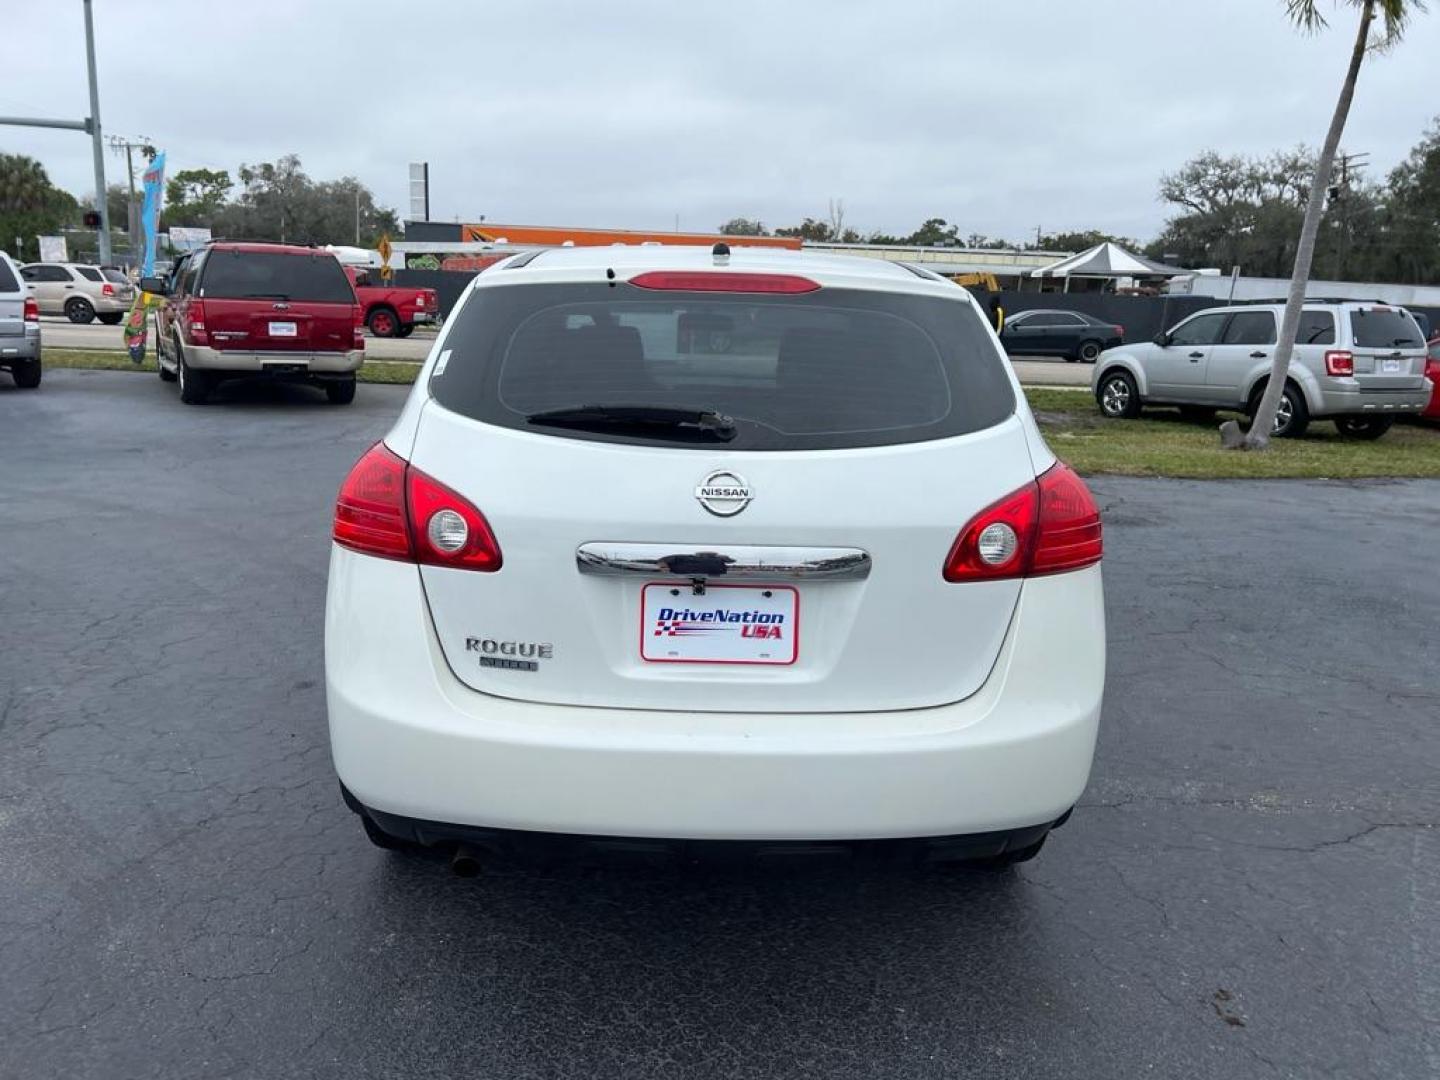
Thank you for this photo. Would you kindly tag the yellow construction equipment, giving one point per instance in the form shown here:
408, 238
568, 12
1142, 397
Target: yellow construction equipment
987, 280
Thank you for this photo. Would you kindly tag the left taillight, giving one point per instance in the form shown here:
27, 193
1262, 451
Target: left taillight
357, 324
1339, 363
1049, 526
389, 508
107, 289
32, 310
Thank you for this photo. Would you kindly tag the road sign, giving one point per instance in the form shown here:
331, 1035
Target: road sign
385, 250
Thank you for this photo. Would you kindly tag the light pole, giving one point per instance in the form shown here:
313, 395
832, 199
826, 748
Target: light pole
102, 203
90, 124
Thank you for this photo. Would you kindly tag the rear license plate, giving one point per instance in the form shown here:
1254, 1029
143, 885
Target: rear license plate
729, 624
282, 329
1393, 367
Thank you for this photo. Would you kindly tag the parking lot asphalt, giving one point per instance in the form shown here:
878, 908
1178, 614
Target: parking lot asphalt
1250, 887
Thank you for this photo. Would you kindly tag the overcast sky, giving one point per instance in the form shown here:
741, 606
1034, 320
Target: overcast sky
999, 117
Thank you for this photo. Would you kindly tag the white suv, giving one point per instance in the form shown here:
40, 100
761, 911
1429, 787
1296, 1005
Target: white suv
670, 543
1359, 364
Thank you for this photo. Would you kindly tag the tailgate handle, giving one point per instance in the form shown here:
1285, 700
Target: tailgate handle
750, 563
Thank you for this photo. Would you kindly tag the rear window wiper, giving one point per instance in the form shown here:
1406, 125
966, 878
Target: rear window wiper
703, 422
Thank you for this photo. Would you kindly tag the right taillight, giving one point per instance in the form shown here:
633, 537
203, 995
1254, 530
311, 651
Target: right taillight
1049, 526
32, 310
1339, 362
391, 509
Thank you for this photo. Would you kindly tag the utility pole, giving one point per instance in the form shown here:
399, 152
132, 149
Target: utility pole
1338, 190
91, 125
357, 213
101, 202
119, 143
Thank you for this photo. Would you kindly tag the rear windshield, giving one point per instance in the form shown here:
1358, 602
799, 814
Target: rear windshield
1384, 328
833, 368
7, 278
240, 275
117, 276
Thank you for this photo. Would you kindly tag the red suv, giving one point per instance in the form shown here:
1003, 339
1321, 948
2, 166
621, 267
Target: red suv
244, 309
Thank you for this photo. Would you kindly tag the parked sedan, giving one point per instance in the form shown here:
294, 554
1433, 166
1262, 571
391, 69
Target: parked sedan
1070, 334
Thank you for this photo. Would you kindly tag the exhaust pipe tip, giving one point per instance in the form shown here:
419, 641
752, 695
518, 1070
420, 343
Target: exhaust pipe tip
465, 862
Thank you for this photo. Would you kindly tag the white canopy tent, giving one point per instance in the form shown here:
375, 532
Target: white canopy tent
1107, 261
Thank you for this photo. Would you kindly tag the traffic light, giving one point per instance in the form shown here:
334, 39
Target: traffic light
92, 219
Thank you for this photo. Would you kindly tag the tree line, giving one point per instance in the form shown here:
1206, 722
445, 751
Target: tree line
1229, 211
1238, 211
272, 200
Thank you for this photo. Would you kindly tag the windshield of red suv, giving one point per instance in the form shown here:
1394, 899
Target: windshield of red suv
274, 275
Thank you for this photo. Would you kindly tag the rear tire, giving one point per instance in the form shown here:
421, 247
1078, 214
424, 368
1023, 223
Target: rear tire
79, 310
1118, 396
1291, 418
27, 374
341, 393
405, 331
383, 322
195, 386
1368, 428
1089, 352
112, 318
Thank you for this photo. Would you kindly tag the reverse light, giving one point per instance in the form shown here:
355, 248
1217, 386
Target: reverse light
1049, 526
389, 508
32, 310
1339, 362
720, 281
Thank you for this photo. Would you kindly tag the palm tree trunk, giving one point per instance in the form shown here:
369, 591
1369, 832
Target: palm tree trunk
1259, 435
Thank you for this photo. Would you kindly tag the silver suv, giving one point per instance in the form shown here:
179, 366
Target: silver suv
19, 327
1359, 364
79, 291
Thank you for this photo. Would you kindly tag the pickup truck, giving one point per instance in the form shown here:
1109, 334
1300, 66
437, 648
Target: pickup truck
393, 311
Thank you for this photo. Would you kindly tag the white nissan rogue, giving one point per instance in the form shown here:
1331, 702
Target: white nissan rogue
674, 544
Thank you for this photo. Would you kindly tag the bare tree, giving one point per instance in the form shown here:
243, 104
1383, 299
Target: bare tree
1306, 14
837, 218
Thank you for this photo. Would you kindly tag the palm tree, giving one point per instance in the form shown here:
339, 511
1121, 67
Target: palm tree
24, 187
1307, 15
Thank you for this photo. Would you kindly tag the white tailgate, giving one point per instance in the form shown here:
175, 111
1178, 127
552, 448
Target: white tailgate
899, 638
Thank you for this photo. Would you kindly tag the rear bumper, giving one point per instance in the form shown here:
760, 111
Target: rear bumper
414, 744
207, 359
421, 318
1356, 402
20, 348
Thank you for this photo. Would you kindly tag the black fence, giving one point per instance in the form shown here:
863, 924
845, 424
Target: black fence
1142, 316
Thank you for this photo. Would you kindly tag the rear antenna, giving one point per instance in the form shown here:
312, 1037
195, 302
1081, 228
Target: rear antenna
721, 251
610, 275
